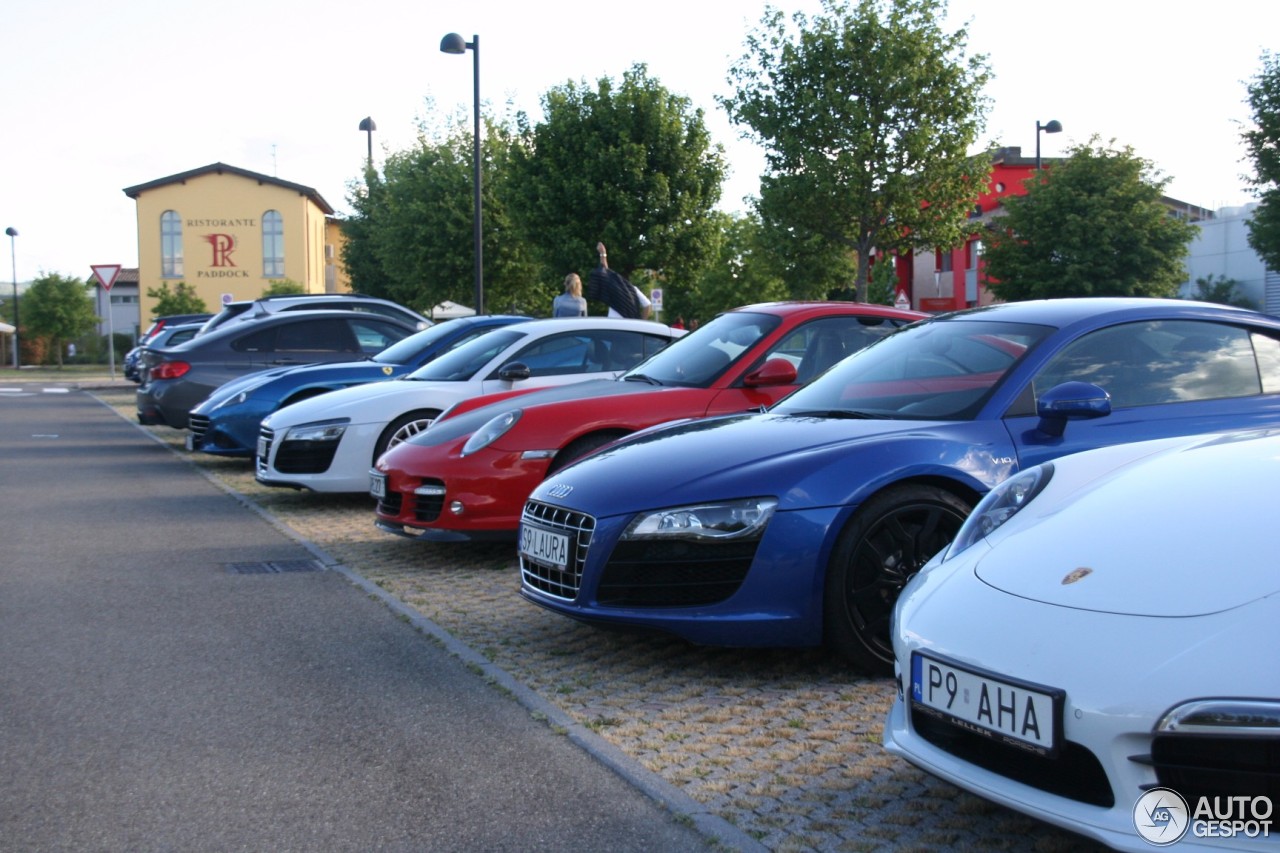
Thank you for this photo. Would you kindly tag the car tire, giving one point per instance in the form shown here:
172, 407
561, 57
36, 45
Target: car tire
403, 428
888, 540
580, 447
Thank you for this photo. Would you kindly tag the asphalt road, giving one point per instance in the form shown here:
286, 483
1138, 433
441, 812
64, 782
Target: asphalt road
159, 691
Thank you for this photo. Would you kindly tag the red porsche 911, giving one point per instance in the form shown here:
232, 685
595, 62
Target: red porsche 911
467, 477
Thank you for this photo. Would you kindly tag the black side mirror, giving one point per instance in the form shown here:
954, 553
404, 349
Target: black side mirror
514, 372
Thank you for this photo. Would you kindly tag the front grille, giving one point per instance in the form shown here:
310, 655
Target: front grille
1075, 774
558, 583
266, 438
305, 457
389, 505
675, 573
199, 425
1199, 765
427, 508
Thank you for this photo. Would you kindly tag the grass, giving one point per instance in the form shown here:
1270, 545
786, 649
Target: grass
67, 373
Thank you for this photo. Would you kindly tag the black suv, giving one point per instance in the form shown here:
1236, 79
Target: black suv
176, 379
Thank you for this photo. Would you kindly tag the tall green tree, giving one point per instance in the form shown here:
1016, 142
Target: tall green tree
630, 164
1092, 225
412, 237
1262, 141
59, 309
742, 273
181, 300
866, 113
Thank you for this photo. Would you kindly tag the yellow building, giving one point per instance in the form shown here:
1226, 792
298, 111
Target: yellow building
228, 233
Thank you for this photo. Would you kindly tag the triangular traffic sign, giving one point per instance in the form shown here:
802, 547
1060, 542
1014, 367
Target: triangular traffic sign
106, 274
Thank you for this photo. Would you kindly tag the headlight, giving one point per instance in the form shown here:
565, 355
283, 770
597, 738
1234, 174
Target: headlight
1000, 504
331, 431
742, 519
491, 432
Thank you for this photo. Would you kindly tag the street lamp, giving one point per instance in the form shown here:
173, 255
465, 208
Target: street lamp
13, 255
454, 43
1054, 126
369, 126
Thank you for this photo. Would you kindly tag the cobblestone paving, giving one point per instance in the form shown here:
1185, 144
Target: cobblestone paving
785, 745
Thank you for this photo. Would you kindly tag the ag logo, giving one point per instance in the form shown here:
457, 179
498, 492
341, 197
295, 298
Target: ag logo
1161, 816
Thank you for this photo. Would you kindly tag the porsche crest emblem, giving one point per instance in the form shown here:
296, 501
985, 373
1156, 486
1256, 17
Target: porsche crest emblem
1076, 575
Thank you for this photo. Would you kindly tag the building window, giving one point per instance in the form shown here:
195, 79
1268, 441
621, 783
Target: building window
272, 244
170, 245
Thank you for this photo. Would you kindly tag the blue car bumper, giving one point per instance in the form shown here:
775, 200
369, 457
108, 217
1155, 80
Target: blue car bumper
775, 602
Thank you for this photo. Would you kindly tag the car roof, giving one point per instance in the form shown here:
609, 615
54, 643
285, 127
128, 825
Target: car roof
800, 307
1065, 312
237, 329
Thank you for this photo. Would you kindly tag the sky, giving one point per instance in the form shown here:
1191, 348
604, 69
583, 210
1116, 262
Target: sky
103, 96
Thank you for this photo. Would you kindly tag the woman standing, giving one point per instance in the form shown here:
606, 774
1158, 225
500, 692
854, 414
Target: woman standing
570, 303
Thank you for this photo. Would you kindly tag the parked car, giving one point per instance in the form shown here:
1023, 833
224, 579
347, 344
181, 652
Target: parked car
255, 309
801, 524
469, 475
176, 379
227, 422
164, 335
329, 444
1119, 680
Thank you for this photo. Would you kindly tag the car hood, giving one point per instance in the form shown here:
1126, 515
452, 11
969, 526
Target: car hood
806, 461
248, 382
449, 428
1184, 532
360, 403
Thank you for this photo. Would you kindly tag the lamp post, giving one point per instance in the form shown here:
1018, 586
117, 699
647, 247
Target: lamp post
1053, 126
454, 43
368, 125
13, 256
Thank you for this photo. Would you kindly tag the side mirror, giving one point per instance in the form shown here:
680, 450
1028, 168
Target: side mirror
775, 371
1070, 401
514, 372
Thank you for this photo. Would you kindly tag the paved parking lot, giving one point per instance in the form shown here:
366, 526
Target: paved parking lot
785, 745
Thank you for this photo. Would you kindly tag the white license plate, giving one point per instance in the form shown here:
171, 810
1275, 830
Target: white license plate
1006, 710
262, 449
378, 485
545, 547
190, 441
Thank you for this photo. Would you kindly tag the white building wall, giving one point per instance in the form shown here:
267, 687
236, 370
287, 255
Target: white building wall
1221, 249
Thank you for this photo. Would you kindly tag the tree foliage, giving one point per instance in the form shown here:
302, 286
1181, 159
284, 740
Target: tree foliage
1262, 141
629, 164
742, 273
1221, 289
867, 113
1092, 225
181, 300
58, 308
412, 236
283, 287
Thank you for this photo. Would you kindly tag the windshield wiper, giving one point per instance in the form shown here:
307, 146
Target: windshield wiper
641, 377
845, 414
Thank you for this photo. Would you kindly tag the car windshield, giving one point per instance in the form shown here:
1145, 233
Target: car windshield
697, 359
936, 370
407, 350
461, 364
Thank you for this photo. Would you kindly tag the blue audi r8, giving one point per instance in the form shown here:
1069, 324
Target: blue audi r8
227, 422
800, 525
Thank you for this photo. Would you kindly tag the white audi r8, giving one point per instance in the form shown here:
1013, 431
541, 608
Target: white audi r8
1097, 647
328, 443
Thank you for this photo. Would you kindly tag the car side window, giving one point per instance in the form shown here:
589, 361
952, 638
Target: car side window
373, 336
262, 340
556, 355
316, 336
819, 344
1164, 361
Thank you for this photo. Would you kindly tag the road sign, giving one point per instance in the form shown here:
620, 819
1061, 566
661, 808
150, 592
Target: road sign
106, 274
